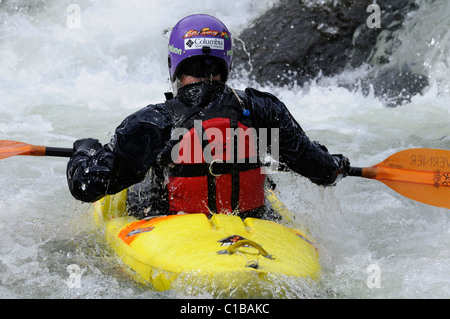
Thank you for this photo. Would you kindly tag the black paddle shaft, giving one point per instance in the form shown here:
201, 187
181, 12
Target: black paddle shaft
58, 151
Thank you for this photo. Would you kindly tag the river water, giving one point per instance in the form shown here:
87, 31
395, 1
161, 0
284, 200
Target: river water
69, 72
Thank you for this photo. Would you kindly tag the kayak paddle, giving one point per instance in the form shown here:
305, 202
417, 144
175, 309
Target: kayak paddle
13, 148
420, 174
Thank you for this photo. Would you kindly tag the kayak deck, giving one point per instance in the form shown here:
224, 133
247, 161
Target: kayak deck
195, 249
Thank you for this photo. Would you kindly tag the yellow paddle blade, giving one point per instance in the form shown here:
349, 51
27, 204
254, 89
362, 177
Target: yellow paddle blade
12, 148
420, 174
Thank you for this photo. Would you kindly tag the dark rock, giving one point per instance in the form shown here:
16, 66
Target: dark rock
394, 86
295, 42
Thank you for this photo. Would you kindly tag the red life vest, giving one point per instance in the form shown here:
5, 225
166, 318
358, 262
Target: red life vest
215, 167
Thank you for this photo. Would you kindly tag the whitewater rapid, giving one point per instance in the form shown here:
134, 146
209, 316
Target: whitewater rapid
60, 82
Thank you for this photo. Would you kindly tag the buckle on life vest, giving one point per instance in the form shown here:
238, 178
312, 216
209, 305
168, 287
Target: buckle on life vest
211, 167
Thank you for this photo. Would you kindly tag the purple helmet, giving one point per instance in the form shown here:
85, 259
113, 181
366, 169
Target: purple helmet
199, 35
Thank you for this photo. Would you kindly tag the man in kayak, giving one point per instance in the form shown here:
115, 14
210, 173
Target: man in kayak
200, 151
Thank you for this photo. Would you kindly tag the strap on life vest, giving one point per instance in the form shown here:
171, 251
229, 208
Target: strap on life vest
216, 168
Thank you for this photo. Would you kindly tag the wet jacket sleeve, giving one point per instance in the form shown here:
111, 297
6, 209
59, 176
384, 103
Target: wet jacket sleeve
122, 162
296, 150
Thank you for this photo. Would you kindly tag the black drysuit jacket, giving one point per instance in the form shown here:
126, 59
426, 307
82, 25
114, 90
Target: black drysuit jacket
143, 141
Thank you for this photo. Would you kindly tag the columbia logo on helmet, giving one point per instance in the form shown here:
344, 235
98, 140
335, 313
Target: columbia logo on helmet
190, 43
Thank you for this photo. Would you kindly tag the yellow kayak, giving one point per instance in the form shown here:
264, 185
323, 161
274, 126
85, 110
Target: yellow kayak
218, 254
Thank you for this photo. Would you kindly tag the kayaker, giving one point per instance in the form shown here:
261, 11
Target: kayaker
166, 154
